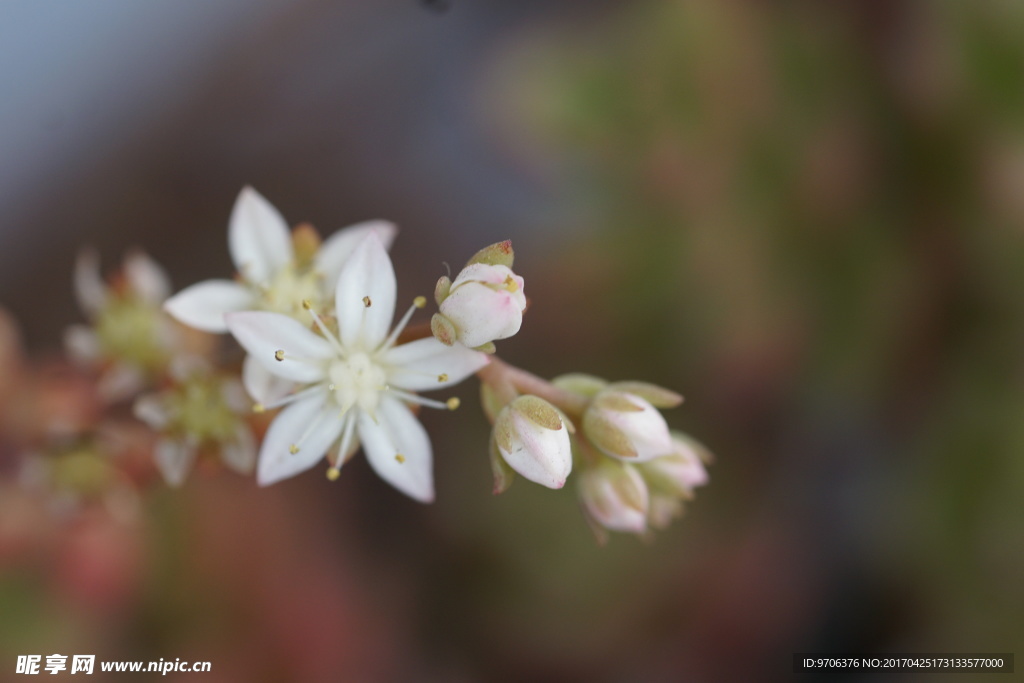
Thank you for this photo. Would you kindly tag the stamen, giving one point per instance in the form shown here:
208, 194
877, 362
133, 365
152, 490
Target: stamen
419, 400
308, 305
418, 302
400, 458
294, 448
346, 440
443, 377
279, 355
453, 403
258, 408
367, 301
510, 284
290, 398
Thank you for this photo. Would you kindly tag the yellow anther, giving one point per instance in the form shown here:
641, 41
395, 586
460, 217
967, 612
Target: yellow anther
258, 408
400, 458
453, 403
367, 302
293, 449
307, 304
279, 354
419, 302
333, 474
510, 284
443, 377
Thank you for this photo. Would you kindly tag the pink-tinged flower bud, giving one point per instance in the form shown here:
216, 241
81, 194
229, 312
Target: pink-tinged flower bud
662, 510
485, 303
679, 473
624, 425
615, 496
534, 441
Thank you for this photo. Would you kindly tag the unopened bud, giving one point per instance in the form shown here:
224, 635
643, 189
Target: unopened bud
485, 303
680, 472
623, 425
663, 509
615, 496
533, 440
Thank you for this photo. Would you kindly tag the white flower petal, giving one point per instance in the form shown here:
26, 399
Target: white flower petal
399, 433
416, 366
365, 295
262, 385
90, 290
152, 409
240, 453
311, 424
258, 237
263, 334
187, 364
82, 344
204, 304
338, 247
234, 394
120, 382
174, 460
147, 279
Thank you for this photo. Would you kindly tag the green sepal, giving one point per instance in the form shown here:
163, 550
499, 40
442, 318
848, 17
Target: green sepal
503, 474
659, 397
499, 254
580, 383
607, 436
443, 330
442, 289
538, 411
490, 402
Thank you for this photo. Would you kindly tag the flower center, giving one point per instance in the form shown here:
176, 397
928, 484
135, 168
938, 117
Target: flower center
128, 329
200, 410
290, 287
357, 380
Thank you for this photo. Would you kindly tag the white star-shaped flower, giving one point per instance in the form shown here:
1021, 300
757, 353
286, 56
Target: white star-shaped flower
357, 384
271, 277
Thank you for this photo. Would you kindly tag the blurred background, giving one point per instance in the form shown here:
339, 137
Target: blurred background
807, 217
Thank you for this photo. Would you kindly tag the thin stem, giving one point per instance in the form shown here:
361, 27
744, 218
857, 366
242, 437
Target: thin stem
498, 373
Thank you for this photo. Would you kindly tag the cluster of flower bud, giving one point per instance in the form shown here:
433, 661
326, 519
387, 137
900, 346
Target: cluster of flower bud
633, 497
632, 472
